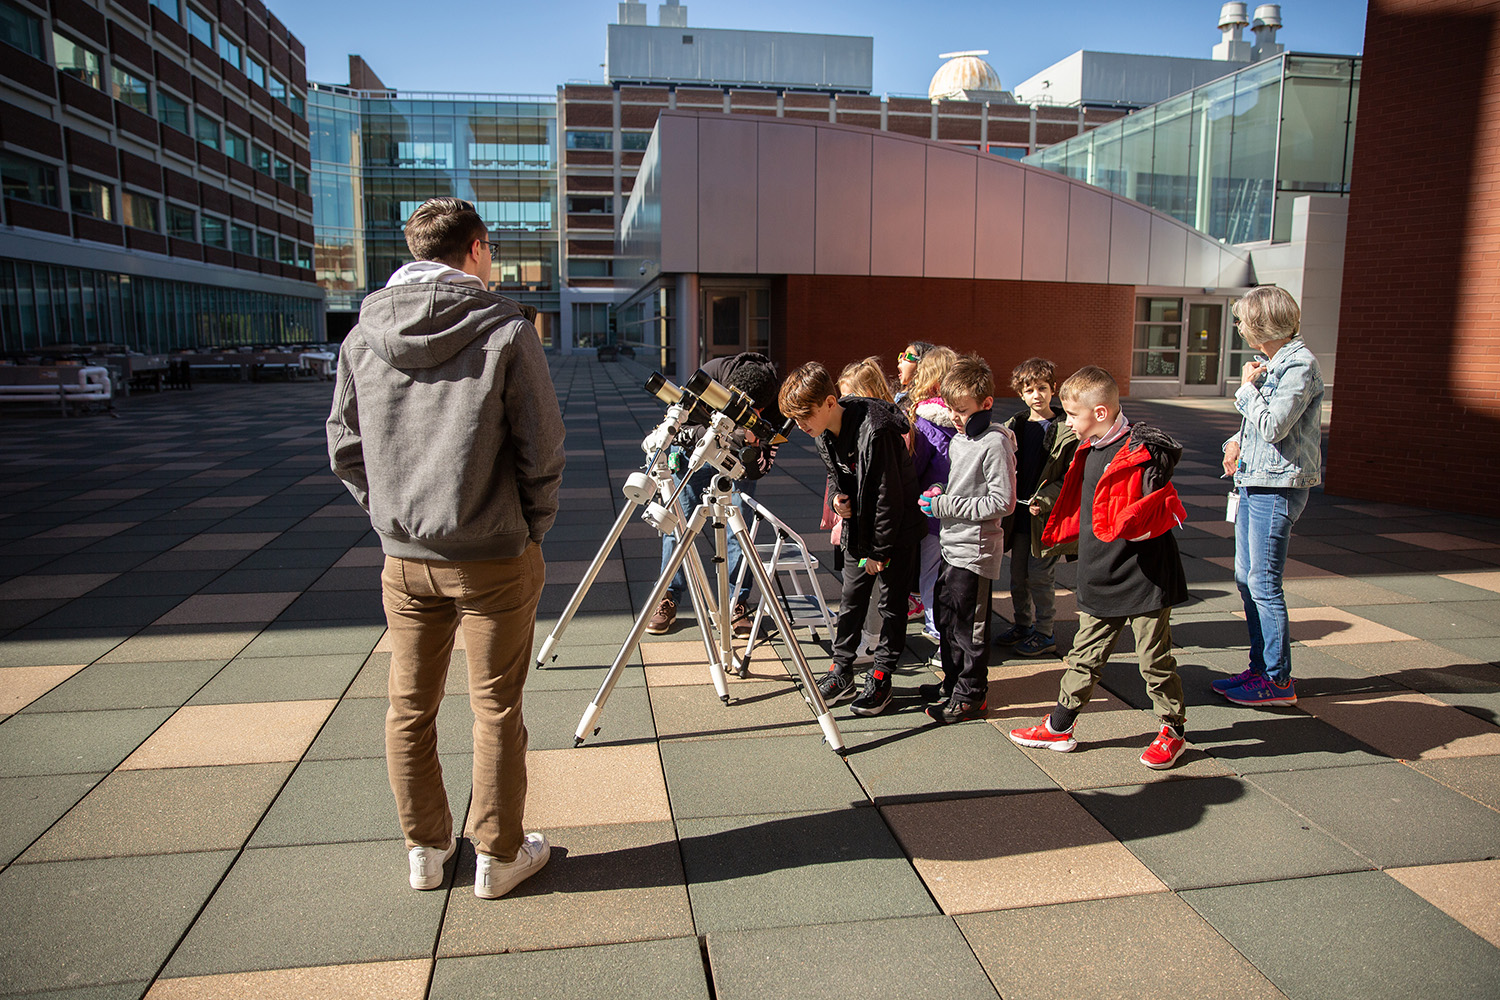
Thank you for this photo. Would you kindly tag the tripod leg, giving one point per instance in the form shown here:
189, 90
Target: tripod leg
588, 581
724, 630
697, 587
783, 622
587, 725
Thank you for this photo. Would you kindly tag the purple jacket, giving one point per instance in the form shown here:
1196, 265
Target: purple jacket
934, 428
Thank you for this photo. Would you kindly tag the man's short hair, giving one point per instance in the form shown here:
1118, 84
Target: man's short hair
806, 389
1267, 313
1033, 371
1092, 386
970, 376
756, 380
442, 229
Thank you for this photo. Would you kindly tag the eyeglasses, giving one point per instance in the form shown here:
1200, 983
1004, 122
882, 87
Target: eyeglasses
494, 247
908, 356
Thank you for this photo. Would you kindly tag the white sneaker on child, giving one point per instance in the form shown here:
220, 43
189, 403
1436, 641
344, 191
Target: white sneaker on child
494, 878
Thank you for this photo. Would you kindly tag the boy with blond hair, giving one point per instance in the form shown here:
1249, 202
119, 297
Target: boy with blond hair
980, 491
1117, 500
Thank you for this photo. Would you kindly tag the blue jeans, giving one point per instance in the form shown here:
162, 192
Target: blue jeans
691, 495
1262, 529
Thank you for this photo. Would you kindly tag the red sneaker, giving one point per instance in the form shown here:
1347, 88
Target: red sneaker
1042, 736
1164, 750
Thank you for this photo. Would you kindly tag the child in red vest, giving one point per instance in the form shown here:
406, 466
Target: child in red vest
1117, 500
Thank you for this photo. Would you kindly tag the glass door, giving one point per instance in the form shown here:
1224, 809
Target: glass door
725, 322
1203, 350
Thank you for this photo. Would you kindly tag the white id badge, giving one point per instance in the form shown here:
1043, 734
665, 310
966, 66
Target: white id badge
1232, 506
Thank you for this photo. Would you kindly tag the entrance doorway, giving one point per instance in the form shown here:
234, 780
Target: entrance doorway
735, 318
1183, 346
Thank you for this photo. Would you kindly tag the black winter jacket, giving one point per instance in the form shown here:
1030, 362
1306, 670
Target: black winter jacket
757, 461
868, 462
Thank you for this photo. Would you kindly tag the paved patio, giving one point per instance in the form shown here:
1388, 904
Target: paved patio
193, 800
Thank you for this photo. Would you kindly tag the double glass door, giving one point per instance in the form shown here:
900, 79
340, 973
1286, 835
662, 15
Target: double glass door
1186, 341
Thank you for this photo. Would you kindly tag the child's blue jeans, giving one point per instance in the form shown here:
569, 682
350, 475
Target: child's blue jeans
1262, 529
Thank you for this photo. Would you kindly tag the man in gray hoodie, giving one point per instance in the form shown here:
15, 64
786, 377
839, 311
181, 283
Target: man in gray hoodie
445, 427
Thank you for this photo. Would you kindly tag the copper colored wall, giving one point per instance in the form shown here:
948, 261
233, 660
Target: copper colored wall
1417, 408
836, 320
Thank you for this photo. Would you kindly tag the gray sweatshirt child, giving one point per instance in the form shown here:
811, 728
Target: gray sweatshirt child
981, 491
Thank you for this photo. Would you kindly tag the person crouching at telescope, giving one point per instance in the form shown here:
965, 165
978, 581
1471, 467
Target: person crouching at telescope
755, 376
873, 487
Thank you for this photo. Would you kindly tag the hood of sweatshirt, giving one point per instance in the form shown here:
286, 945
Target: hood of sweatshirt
936, 412
428, 312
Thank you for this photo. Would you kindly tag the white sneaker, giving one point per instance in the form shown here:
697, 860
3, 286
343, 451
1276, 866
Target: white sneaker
494, 878
427, 864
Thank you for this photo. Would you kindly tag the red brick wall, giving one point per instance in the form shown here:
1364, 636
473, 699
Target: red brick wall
835, 320
1416, 415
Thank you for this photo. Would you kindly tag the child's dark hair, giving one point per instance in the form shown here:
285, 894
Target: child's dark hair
1033, 371
970, 376
805, 390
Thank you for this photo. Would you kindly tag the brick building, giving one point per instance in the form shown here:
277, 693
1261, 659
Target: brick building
155, 164
1418, 414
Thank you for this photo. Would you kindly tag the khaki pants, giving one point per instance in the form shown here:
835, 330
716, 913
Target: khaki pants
495, 602
1095, 642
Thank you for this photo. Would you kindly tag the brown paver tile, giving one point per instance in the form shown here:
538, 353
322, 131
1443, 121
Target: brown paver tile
164, 812
87, 529
1484, 579
405, 980
604, 885
1015, 850
227, 541
1468, 891
45, 587
20, 686
1342, 590
225, 501
180, 642
595, 785
1406, 725
1020, 690
213, 609
201, 735
1327, 626
111, 494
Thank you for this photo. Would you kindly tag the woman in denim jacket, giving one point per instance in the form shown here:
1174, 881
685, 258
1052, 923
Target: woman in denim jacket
1275, 460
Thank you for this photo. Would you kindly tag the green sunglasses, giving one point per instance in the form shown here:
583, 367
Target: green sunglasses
908, 356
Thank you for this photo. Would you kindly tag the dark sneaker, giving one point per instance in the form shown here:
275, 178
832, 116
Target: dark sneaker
954, 710
1035, 644
1012, 635
1225, 683
876, 695
835, 687
663, 617
741, 620
1164, 750
935, 692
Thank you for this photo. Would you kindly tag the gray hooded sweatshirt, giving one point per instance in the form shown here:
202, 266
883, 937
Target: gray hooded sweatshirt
445, 423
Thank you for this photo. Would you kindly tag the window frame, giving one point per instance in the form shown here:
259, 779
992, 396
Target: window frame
115, 72
41, 183
200, 121
82, 75
191, 15
79, 184
31, 25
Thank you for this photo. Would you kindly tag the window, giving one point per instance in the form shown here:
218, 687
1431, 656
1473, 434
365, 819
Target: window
91, 198
425, 155
255, 71
242, 239
207, 130
1158, 338
281, 170
77, 61
286, 251
21, 30
235, 146
591, 204
229, 50
635, 140
198, 26
214, 234
494, 155
590, 324
277, 86
304, 256
265, 246
260, 159
180, 223
299, 179
582, 268
589, 140
167, 7
28, 180
139, 211
171, 110
297, 103
130, 89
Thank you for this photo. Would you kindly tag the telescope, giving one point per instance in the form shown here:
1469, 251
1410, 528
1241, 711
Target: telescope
735, 405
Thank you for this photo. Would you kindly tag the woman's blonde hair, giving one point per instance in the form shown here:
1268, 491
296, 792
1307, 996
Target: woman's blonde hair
927, 380
1267, 313
866, 378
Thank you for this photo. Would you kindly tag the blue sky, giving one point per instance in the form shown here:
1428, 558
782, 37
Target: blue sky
484, 46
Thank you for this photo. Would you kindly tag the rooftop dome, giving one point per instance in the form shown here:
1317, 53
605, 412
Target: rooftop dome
963, 71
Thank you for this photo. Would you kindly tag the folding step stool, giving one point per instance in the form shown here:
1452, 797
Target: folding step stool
788, 555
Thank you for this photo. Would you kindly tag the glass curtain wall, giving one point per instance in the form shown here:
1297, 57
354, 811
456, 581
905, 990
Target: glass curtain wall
377, 157
46, 306
1228, 157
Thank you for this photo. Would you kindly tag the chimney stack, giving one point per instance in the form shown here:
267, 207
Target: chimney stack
632, 12
671, 15
1267, 22
1232, 21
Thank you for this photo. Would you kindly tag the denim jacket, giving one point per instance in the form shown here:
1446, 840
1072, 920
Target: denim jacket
1280, 437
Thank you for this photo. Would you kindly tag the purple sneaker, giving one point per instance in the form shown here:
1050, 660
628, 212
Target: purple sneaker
1261, 690
1225, 683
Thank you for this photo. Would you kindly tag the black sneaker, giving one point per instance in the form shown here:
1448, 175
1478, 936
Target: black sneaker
876, 695
834, 688
1012, 635
935, 692
954, 710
